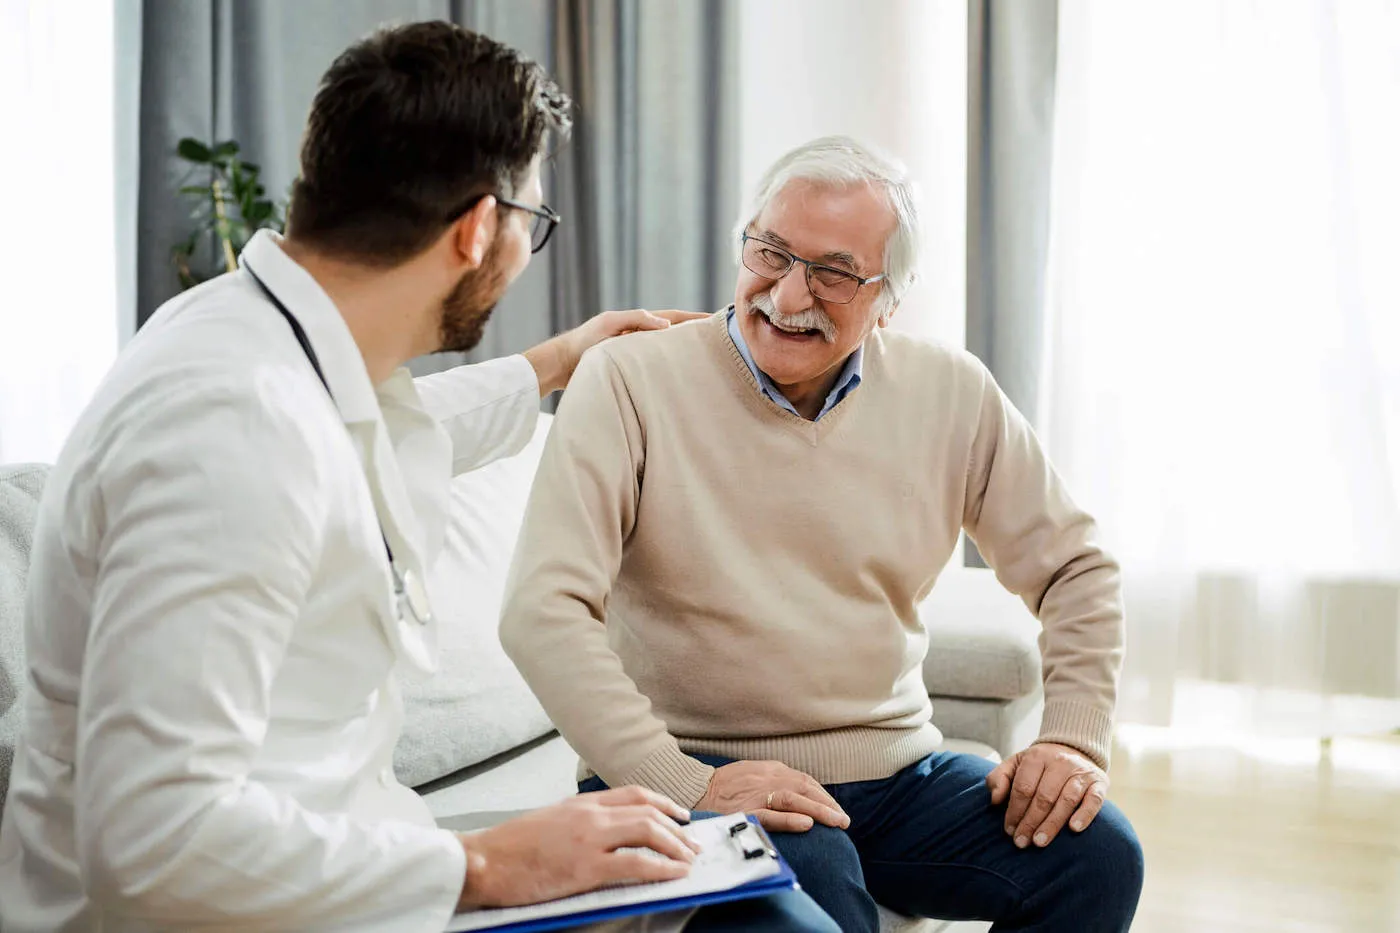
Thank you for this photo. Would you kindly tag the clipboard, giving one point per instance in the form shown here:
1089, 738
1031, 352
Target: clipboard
744, 840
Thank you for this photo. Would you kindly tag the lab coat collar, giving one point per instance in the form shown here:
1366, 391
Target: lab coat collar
360, 409
336, 350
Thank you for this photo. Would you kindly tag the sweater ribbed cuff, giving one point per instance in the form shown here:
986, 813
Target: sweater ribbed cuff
1080, 727
672, 772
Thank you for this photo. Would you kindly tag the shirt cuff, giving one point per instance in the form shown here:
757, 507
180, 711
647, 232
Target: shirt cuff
519, 372
672, 772
452, 878
1081, 727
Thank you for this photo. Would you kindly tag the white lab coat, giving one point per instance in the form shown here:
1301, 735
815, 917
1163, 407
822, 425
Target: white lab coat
213, 638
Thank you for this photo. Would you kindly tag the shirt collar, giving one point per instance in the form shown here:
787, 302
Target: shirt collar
846, 380
336, 350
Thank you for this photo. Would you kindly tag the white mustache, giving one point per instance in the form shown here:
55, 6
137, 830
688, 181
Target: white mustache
811, 319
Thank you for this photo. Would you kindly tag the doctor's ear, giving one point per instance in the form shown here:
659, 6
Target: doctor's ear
472, 233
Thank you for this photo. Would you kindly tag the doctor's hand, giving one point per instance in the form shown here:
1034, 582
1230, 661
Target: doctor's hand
574, 847
1048, 785
556, 359
783, 799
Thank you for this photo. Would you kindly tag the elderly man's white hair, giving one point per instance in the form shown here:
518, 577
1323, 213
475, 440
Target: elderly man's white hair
840, 161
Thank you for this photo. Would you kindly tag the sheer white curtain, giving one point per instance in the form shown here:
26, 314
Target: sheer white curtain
58, 307
1223, 379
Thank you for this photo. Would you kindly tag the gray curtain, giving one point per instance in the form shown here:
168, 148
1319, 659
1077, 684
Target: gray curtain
1010, 131
652, 174
644, 186
1011, 109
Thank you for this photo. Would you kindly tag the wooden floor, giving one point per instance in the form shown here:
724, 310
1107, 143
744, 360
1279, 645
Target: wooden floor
1277, 836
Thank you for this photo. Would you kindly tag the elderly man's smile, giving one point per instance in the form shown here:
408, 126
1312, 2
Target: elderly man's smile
795, 335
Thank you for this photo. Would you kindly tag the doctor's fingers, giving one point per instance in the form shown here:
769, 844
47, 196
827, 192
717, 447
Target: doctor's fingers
632, 865
680, 317
632, 827
632, 796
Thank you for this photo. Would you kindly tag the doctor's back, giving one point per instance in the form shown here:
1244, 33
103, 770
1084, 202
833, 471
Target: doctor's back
214, 421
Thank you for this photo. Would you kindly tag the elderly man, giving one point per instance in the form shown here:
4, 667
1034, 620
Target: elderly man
714, 593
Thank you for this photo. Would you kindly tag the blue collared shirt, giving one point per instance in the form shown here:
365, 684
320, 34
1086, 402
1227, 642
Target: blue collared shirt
846, 380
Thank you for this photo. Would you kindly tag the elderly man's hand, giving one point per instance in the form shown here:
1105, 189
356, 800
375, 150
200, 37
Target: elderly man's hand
783, 799
556, 359
1049, 785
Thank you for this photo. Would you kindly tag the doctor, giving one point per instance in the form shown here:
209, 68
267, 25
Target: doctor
228, 560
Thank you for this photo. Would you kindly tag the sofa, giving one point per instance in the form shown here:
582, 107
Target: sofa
478, 746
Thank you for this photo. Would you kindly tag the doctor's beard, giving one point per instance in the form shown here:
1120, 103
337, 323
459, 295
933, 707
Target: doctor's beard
468, 307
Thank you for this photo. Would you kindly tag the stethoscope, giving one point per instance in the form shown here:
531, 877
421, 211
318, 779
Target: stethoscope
409, 592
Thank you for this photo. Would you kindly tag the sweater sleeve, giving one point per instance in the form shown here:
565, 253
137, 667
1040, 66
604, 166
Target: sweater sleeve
581, 512
1045, 549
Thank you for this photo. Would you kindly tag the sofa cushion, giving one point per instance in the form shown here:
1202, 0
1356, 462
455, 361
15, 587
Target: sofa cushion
1008, 726
20, 487
982, 640
536, 775
477, 705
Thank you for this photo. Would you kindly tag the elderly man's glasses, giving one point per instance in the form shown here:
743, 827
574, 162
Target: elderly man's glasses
824, 282
542, 220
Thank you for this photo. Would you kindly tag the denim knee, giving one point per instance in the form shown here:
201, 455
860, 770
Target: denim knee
1113, 863
787, 912
829, 869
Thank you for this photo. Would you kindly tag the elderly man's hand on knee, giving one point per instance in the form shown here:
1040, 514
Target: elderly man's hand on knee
783, 799
1048, 785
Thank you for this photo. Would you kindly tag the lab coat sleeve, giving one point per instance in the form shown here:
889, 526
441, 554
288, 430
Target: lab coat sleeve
212, 517
488, 409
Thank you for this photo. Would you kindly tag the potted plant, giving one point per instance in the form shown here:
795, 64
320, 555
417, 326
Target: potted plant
230, 205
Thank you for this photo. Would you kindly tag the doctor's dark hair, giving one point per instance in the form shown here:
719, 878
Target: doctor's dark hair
408, 126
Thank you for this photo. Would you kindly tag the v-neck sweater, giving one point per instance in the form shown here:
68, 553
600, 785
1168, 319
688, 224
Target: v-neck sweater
702, 571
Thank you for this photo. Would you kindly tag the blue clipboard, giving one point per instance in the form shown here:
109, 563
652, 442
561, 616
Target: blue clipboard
784, 880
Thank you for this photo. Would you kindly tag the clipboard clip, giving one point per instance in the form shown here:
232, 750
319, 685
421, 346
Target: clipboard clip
751, 841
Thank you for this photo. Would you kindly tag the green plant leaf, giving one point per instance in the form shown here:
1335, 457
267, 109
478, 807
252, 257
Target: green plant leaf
193, 150
219, 182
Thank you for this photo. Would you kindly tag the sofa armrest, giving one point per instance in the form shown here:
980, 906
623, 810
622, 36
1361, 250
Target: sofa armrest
983, 641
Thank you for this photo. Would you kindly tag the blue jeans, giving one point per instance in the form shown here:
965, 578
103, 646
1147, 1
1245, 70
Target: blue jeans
927, 842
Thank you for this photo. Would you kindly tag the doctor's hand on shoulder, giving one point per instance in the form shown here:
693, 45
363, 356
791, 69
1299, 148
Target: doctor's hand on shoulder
578, 845
556, 358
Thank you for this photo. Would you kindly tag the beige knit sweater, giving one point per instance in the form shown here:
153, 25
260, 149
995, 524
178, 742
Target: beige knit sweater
702, 571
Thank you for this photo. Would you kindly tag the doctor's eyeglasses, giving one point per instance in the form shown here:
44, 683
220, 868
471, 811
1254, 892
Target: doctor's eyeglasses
542, 220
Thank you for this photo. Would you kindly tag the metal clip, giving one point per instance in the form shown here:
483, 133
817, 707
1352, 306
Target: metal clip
741, 833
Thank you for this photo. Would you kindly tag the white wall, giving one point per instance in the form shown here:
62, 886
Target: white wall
892, 73
58, 316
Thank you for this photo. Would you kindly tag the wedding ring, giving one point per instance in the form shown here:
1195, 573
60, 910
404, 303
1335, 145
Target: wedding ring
769, 804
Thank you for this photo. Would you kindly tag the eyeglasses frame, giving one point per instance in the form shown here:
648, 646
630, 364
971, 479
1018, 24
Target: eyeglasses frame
794, 258
543, 211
